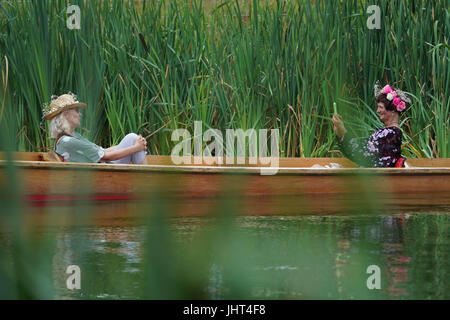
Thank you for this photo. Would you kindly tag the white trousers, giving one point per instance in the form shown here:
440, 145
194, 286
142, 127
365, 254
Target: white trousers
135, 158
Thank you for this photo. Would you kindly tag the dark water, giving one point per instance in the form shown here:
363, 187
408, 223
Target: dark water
295, 257
130, 253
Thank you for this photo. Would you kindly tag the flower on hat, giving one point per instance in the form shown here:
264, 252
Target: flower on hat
387, 89
391, 95
396, 101
401, 106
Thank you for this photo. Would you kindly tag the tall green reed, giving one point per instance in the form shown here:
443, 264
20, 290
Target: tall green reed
276, 64
25, 255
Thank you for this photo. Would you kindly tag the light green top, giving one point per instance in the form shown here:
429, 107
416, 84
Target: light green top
78, 149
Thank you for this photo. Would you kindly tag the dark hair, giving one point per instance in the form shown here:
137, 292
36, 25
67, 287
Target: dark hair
389, 105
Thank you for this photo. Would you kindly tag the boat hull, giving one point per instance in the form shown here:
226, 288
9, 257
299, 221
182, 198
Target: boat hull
197, 189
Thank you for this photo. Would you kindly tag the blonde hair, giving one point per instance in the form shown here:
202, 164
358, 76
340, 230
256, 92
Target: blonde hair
59, 126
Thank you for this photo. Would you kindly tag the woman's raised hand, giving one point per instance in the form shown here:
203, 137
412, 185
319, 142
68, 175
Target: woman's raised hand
140, 143
338, 125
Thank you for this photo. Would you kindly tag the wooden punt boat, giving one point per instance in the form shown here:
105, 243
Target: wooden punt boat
296, 188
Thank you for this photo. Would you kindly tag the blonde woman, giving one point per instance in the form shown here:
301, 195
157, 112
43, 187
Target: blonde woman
65, 116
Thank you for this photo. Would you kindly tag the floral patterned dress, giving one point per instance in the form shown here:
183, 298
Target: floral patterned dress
382, 149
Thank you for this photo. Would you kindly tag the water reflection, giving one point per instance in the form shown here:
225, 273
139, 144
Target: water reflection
302, 257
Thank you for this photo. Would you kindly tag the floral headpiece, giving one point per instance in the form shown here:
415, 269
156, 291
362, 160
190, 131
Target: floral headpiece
398, 97
59, 104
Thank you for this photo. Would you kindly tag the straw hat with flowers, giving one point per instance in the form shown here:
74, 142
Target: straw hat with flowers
60, 104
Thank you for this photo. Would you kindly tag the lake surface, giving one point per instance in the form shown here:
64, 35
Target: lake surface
134, 254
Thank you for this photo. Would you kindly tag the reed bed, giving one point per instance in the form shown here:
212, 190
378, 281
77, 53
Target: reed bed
161, 65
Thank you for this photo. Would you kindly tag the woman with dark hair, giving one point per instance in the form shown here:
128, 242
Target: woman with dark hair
383, 148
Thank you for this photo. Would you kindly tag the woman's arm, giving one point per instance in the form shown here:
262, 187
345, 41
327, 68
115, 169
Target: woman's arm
362, 152
382, 149
110, 148
112, 153
338, 126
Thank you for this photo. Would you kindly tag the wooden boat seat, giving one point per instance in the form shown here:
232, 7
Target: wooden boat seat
50, 156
